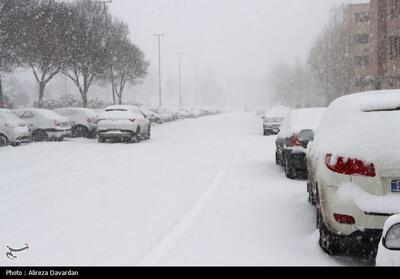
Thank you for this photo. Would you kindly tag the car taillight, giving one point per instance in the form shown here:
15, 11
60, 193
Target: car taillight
294, 140
344, 219
132, 120
350, 166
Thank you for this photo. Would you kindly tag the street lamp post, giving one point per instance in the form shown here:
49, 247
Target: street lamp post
159, 68
180, 77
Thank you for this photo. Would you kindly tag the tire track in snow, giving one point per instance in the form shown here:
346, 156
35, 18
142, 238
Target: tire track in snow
174, 235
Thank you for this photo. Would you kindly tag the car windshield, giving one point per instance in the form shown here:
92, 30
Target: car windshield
8, 116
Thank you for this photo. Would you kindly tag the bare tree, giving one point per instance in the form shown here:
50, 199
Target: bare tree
330, 62
128, 61
87, 45
42, 40
8, 59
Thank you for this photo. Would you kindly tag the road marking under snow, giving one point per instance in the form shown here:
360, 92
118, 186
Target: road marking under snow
170, 240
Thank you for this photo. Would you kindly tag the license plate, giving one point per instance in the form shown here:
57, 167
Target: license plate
395, 186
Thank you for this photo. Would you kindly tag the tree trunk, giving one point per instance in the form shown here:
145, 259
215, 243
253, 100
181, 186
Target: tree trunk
42, 86
84, 94
2, 99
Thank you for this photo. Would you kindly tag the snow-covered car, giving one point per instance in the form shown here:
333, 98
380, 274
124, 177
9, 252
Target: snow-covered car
84, 121
123, 123
152, 115
296, 132
354, 170
274, 119
45, 124
13, 130
389, 247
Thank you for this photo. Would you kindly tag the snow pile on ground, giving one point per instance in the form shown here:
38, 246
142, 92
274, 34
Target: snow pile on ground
363, 126
206, 196
301, 119
388, 204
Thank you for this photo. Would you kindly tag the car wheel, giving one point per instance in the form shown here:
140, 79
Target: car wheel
3, 141
329, 242
136, 137
266, 133
311, 198
148, 135
80, 132
277, 158
101, 140
40, 136
60, 139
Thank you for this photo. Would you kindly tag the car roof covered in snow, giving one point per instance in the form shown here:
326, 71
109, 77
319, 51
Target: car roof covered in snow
84, 110
278, 112
42, 112
122, 107
363, 126
298, 120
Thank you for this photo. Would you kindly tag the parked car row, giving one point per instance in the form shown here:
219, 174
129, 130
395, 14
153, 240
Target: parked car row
350, 155
115, 123
272, 121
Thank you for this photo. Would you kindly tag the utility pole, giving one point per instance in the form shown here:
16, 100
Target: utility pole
180, 77
105, 2
195, 82
159, 68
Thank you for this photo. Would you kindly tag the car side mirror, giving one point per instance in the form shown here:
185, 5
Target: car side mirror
391, 240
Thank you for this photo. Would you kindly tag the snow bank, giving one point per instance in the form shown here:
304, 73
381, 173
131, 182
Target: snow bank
388, 204
301, 119
363, 126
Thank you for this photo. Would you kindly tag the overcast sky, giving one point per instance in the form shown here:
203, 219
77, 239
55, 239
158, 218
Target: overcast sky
236, 41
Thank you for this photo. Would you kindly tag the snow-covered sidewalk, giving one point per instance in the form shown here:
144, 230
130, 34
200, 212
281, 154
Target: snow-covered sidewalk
201, 192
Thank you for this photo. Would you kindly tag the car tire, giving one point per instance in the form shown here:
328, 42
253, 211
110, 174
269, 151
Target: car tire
277, 161
40, 136
3, 141
311, 198
148, 135
266, 133
329, 242
101, 140
80, 131
136, 137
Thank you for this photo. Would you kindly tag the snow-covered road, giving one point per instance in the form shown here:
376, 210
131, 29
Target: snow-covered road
201, 192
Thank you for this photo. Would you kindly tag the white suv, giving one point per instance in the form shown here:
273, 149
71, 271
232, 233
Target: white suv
354, 170
12, 129
84, 121
45, 124
123, 123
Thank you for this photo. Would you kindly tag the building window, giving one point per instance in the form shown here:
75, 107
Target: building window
361, 17
361, 60
362, 38
394, 8
394, 46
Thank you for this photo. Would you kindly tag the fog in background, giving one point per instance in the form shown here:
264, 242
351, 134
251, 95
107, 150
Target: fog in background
229, 47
